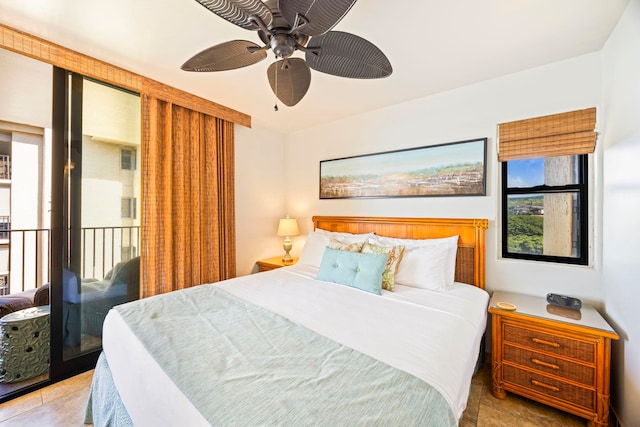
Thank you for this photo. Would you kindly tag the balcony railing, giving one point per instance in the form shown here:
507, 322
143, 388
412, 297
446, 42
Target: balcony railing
5, 166
99, 248
25, 260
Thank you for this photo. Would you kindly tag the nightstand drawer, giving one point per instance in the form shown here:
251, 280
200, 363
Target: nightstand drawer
551, 365
556, 389
549, 343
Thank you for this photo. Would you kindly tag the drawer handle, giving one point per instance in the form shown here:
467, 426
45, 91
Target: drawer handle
544, 342
548, 365
543, 385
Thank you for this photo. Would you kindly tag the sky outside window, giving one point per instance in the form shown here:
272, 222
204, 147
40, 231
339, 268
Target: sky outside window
525, 173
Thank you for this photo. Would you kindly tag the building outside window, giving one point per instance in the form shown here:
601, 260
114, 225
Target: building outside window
4, 284
5, 226
5, 166
128, 207
128, 159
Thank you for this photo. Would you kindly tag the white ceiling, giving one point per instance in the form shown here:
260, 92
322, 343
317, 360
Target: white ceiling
433, 46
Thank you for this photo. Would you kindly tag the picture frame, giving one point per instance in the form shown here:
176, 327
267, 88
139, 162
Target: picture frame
450, 169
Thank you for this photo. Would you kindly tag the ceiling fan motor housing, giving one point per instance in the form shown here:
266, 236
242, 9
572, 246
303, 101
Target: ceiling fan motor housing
282, 44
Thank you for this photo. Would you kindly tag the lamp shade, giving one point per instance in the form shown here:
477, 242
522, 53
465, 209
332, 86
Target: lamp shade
288, 227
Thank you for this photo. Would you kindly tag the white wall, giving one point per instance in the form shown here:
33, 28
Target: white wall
26, 202
26, 159
25, 90
5, 199
101, 185
110, 114
621, 208
260, 195
461, 114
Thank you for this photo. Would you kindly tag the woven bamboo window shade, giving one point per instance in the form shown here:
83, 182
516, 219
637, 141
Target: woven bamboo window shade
549, 136
188, 198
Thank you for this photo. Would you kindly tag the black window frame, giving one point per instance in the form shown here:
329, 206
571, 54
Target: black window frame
582, 191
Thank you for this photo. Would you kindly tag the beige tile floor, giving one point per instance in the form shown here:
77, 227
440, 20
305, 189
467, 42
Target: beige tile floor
62, 405
484, 410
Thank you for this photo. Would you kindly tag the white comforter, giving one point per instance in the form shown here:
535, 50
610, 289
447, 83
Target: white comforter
434, 336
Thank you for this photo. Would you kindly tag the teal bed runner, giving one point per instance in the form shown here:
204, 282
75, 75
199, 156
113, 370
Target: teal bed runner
240, 364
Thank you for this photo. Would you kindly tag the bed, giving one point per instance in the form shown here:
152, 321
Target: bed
284, 348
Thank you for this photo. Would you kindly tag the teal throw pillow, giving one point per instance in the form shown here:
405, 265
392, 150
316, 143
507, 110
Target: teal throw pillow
358, 270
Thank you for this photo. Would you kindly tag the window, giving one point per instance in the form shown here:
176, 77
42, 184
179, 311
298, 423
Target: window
5, 166
4, 284
544, 186
5, 226
127, 159
128, 208
544, 205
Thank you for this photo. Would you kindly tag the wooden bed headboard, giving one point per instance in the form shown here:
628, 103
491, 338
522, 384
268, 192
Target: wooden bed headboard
470, 260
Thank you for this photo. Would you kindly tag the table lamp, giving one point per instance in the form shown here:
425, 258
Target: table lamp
287, 227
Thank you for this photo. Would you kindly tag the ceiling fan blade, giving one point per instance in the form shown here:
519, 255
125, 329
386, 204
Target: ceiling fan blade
347, 55
238, 11
226, 56
289, 79
322, 15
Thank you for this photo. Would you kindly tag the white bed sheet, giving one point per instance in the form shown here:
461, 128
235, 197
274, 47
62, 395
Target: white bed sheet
444, 355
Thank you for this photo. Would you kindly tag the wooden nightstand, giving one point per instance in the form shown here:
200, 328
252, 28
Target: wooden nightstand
556, 356
273, 263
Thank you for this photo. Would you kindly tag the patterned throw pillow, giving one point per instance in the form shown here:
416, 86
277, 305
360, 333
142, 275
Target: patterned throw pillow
395, 255
348, 247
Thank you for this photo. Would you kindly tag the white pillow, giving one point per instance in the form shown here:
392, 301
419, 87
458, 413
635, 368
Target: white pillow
451, 243
345, 237
313, 249
423, 267
318, 240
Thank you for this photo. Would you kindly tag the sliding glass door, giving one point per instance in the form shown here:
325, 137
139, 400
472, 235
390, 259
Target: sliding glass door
96, 236
69, 218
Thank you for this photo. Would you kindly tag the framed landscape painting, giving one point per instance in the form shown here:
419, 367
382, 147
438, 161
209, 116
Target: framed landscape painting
453, 169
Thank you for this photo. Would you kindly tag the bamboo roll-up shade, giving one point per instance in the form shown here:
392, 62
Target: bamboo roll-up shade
562, 134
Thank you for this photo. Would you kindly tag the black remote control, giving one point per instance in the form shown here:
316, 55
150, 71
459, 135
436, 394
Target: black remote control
564, 301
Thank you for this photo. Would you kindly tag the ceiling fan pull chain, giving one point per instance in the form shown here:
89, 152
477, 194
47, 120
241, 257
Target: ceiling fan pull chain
275, 107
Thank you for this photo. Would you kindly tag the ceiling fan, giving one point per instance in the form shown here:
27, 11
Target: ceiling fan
285, 26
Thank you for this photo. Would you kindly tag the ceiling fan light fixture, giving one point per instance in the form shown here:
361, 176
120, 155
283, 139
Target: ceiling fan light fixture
283, 45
